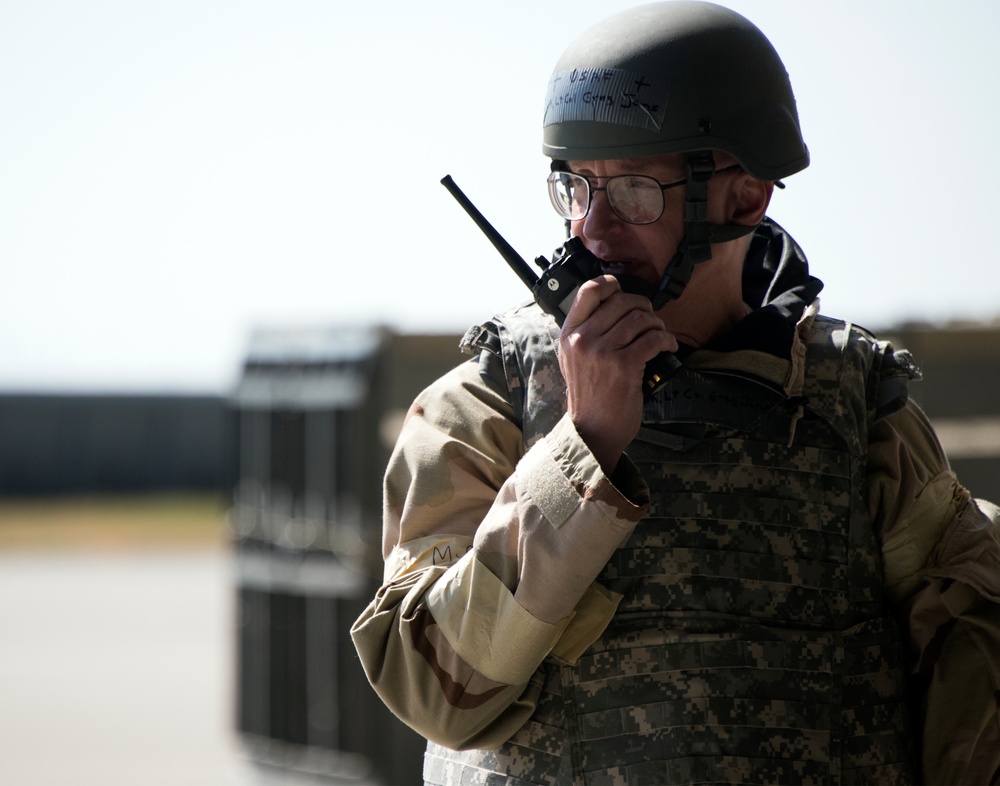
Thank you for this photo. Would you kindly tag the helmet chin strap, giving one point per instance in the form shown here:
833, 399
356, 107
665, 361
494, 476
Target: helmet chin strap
699, 234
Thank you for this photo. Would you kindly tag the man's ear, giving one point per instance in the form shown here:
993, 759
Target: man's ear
748, 199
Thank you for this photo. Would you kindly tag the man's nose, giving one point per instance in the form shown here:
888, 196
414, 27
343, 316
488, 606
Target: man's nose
601, 218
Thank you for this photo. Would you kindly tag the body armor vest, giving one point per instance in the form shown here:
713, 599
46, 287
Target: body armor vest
751, 644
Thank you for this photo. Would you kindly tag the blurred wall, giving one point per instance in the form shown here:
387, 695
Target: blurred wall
72, 444
960, 393
65, 444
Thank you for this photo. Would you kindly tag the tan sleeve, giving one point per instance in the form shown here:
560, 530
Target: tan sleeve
913, 496
941, 552
491, 558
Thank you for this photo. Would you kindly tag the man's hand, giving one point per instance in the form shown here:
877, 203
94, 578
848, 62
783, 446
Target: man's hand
608, 336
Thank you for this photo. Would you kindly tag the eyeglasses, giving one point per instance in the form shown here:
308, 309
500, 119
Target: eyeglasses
636, 199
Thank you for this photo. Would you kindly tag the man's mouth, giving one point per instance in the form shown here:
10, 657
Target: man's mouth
619, 267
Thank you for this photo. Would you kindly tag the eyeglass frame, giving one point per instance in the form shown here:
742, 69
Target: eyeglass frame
550, 180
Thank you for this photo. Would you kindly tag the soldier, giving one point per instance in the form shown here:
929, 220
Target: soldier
764, 571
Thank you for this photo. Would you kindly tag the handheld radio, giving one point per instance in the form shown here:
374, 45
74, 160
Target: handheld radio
556, 288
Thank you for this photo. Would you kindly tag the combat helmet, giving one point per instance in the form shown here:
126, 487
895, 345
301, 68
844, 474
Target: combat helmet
676, 77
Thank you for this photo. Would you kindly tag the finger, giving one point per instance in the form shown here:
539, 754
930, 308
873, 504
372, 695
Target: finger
599, 307
637, 338
615, 322
650, 343
589, 298
639, 326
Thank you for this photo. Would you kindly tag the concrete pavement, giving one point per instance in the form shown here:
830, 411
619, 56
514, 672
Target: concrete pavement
116, 669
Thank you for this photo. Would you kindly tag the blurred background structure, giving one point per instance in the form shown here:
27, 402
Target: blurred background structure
319, 412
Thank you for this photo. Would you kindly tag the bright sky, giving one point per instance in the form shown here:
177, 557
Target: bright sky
176, 174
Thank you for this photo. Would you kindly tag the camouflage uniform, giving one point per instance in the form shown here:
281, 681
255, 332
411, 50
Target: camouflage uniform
741, 633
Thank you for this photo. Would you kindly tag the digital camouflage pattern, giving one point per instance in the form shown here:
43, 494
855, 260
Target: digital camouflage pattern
750, 643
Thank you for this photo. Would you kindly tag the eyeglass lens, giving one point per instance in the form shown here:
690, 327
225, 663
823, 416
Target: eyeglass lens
634, 198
